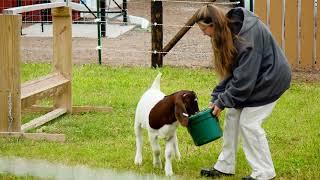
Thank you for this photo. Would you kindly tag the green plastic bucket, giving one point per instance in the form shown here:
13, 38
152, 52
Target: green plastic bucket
204, 127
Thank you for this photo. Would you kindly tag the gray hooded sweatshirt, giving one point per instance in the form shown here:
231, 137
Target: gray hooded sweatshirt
261, 73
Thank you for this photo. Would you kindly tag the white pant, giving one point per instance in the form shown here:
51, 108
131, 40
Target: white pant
247, 122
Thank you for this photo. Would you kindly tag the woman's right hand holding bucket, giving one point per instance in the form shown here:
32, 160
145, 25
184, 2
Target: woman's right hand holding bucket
215, 109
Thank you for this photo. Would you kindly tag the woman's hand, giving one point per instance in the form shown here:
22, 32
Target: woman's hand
216, 110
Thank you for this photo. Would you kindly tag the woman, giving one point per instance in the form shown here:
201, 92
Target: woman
254, 73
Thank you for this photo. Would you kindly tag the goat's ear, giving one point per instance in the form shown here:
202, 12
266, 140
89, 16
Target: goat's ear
186, 95
180, 112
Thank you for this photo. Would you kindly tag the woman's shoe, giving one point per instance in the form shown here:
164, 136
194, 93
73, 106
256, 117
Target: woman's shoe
211, 172
251, 178
247, 178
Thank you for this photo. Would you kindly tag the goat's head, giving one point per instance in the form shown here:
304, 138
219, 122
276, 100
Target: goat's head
186, 104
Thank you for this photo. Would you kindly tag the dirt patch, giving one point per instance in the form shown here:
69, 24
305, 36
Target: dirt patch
134, 47
308, 76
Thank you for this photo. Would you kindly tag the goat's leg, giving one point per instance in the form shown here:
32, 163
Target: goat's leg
155, 149
168, 154
176, 146
139, 142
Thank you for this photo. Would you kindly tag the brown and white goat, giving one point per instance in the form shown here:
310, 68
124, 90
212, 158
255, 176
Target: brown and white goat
161, 115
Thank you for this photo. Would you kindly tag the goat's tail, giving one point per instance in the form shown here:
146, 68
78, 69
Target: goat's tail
156, 82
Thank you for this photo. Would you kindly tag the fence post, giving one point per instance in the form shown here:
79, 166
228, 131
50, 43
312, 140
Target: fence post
10, 87
99, 31
103, 17
291, 31
62, 52
260, 8
307, 38
156, 33
276, 20
317, 62
125, 11
251, 5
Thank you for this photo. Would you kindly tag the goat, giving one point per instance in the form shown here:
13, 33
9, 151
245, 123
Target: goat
161, 115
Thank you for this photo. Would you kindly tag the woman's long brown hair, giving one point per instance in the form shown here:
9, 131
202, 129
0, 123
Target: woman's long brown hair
222, 40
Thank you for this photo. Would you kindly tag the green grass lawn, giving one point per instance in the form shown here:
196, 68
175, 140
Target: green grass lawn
107, 140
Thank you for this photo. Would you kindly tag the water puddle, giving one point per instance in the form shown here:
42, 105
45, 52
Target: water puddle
45, 169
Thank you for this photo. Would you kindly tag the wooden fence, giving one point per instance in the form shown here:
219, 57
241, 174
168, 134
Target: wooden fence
294, 23
296, 26
16, 97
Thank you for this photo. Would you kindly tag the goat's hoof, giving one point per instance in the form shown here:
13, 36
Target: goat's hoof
157, 165
138, 161
169, 173
178, 157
